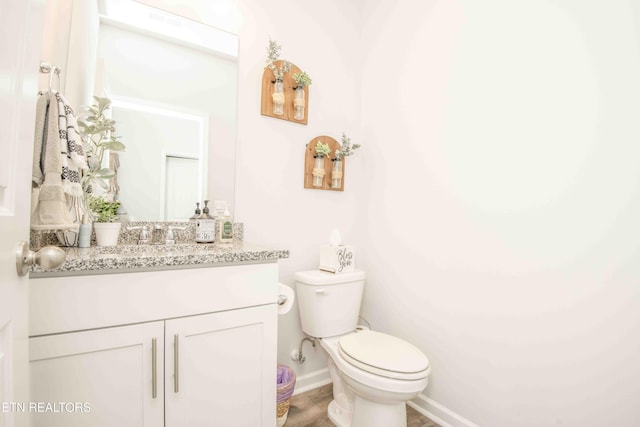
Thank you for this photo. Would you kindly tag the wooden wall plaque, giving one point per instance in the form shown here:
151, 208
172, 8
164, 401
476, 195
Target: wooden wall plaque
309, 161
268, 82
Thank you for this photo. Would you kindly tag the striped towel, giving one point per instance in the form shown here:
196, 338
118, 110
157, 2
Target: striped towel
72, 154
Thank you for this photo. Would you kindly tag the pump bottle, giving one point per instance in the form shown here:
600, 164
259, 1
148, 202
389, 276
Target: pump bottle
225, 228
197, 213
205, 226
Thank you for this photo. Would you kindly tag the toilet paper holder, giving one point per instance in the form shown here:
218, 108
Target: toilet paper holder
285, 299
282, 299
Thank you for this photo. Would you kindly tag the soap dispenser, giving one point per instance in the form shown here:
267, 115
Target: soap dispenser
197, 213
225, 228
205, 226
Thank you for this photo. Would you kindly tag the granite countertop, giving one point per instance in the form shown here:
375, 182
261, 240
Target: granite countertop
137, 258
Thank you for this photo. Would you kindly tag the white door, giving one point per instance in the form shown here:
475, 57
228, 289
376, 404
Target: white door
180, 195
21, 22
226, 366
106, 377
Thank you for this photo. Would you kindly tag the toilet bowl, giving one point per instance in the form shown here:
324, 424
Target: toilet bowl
374, 374
377, 383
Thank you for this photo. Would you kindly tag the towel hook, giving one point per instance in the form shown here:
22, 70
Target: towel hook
46, 68
56, 70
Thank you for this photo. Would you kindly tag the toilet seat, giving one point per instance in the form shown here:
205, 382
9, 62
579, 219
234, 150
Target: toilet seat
382, 382
384, 355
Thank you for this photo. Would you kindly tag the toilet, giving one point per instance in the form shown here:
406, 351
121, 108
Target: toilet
374, 374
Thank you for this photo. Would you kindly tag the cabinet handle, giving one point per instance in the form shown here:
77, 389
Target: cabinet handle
176, 363
154, 368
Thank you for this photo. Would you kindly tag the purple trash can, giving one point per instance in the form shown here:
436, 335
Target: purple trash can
286, 381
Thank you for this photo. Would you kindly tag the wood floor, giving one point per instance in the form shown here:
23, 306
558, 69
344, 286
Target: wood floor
309, 409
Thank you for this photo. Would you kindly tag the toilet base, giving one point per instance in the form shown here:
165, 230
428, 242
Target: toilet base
374, 414
340, 409
338, 416
368, 414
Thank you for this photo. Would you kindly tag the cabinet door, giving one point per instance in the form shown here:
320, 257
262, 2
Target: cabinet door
103, 377
221, 369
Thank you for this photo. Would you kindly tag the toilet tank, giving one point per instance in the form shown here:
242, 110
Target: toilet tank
329, 303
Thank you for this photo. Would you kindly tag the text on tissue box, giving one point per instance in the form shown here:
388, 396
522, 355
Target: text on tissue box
337, 259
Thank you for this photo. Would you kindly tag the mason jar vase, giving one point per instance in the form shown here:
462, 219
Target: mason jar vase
318, 170
336, 174
298, 103
278, 97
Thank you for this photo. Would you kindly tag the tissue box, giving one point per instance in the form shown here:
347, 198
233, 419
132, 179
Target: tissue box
337, 259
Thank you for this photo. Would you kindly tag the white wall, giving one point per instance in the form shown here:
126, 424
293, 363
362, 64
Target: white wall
321, 38
500, 230
494, 203
70, 45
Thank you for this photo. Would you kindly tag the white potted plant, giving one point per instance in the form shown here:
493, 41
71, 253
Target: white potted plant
98, 136
106, 223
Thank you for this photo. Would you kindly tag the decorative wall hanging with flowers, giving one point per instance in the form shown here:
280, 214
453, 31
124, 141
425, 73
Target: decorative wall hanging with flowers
325, 162
285, 88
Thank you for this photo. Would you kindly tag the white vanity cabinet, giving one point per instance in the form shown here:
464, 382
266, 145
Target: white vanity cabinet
191, 347
107, 372
220, 361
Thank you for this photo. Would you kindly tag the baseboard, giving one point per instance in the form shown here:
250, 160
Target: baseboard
439, 413
312, 380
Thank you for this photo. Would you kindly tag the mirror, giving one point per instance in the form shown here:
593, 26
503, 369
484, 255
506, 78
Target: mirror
173, 85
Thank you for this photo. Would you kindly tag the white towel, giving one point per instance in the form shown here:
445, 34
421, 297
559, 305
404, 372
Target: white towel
46, 150
42, 106
50, 208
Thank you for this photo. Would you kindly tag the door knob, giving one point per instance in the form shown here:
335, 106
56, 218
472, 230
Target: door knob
48, 258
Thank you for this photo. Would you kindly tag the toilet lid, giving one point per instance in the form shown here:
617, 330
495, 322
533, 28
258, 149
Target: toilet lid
384, 355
